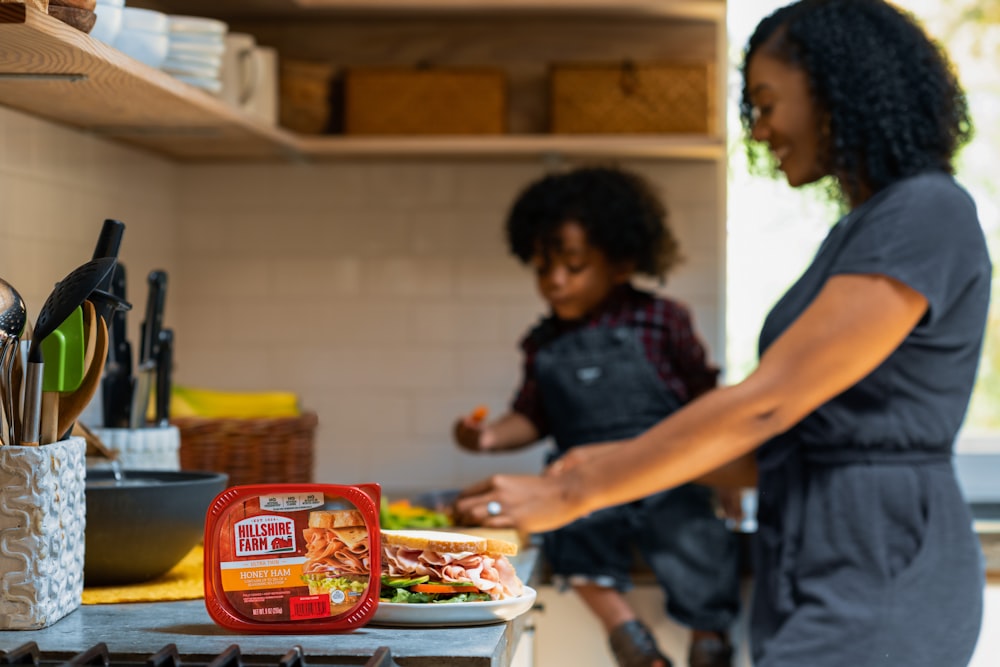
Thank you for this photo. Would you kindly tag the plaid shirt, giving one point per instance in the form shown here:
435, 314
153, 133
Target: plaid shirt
668, 338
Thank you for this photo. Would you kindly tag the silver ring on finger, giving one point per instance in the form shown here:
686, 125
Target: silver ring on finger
494, 508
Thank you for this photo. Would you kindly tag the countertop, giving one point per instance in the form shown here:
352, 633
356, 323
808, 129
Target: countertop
138, 630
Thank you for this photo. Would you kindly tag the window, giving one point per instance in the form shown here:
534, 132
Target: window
774, 230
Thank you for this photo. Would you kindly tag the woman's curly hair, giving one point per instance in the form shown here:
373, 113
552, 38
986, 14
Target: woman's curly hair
619, 210
890, 101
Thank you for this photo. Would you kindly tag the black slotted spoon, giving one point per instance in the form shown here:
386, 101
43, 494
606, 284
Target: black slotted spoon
69, 293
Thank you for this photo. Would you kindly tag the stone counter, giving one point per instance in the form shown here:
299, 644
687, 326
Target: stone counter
138, 630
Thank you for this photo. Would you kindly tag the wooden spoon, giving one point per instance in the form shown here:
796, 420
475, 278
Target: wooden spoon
95, 446
89, 333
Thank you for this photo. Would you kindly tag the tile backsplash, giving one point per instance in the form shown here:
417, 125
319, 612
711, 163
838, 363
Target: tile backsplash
380, 291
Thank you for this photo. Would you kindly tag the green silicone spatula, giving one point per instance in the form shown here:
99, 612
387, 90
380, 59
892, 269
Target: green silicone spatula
64, 351
64, 369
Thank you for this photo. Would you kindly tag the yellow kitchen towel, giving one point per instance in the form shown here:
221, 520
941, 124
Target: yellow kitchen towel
193, 402
183, 582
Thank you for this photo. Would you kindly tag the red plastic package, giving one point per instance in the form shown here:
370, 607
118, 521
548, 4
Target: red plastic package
293, 558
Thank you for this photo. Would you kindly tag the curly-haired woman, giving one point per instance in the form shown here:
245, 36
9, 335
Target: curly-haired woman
608, 362
865, 553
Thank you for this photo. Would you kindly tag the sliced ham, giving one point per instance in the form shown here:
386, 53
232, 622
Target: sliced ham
326, 552
495, 576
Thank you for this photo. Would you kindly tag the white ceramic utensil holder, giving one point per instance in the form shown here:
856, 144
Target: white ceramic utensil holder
155, 448
42, 520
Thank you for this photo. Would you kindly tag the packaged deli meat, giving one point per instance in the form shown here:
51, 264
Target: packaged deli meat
293, 558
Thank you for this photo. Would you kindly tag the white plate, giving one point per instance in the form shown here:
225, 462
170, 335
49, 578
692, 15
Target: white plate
196, 24
454, 613
196, 59
180, 49
190, 69
204, 38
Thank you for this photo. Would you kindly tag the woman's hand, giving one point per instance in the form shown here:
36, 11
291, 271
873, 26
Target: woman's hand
529, 503
578, 456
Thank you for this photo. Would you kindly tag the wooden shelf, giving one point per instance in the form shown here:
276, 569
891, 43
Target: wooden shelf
53, 71
681, 9
708, 10
518, 146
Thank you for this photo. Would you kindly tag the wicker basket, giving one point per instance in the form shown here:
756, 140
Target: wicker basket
307, 96
252, 451
632, 97
424, 101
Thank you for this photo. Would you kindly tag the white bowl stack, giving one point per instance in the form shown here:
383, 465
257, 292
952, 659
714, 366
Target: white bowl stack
195, 50
143, 35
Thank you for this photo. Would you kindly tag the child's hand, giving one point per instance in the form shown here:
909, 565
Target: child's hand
468, 430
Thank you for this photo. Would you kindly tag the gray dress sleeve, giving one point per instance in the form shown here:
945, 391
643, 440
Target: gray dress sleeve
924, 233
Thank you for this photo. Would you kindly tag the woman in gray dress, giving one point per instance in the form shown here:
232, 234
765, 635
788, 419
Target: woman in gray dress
865, 553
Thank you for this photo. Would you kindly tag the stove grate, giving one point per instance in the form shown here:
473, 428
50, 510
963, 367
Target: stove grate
169, 656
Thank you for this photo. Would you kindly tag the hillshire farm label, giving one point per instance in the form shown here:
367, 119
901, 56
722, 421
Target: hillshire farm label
273, 557
263, 535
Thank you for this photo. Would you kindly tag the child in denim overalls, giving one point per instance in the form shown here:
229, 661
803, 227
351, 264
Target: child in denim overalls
607, 363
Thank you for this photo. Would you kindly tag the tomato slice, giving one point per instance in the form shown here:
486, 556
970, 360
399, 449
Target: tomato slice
443, 588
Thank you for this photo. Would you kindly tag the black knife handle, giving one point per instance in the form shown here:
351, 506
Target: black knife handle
117, 325
153, 323
109, 242
164, 367
118, 388
117, 380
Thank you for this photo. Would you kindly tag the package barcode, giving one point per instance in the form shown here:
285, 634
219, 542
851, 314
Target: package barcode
312, 606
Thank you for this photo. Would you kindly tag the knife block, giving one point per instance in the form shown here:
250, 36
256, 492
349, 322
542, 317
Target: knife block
42, 521
153, 448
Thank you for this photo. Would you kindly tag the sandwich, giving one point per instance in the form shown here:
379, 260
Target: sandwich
338, 562
420, 566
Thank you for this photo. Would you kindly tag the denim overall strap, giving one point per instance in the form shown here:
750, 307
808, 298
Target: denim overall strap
598, 385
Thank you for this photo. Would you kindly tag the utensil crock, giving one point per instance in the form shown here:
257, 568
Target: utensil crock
42, 522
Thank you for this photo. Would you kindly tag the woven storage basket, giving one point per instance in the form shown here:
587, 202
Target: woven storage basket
306, 96
631, 97
424, 101
252, 451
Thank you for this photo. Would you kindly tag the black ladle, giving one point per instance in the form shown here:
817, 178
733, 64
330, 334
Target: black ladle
69, 293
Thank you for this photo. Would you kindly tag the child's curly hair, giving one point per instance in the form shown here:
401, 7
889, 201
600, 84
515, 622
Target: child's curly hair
619, 210
891, 104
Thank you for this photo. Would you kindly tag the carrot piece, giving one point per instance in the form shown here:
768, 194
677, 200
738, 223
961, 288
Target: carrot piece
479, 414
443, 588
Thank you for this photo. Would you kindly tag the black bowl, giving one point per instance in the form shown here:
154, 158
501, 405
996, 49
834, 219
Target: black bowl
141, 526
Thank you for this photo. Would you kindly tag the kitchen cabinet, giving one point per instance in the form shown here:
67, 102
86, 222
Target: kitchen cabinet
53, 71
